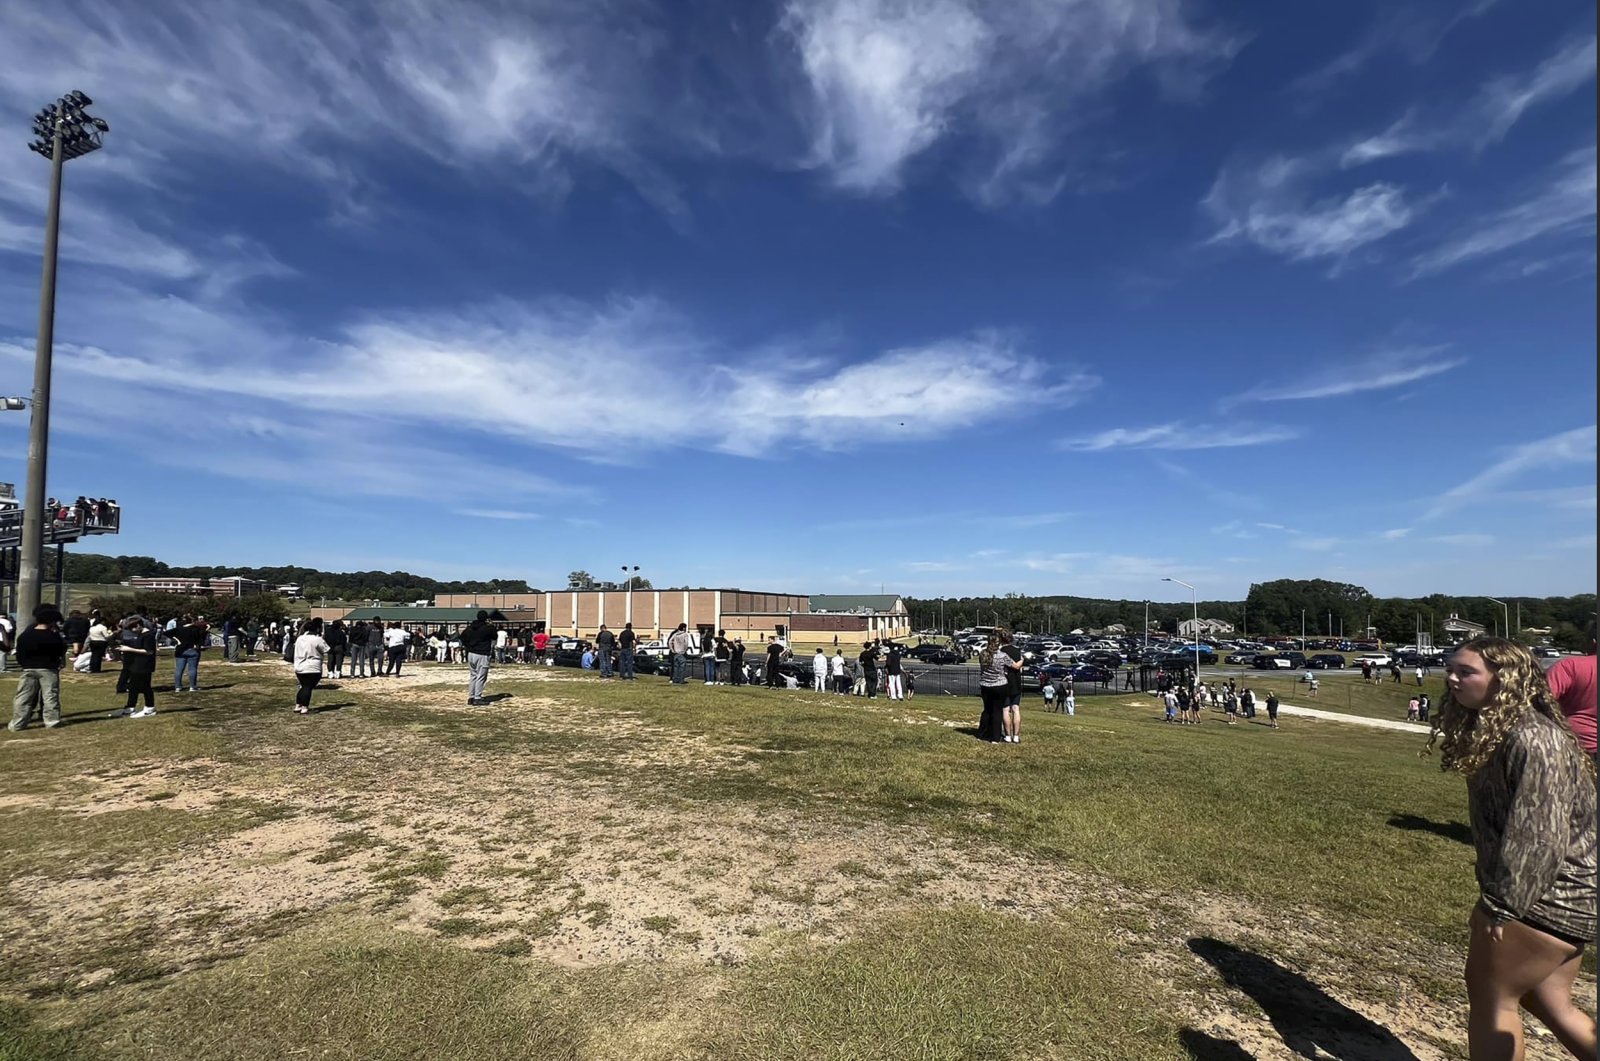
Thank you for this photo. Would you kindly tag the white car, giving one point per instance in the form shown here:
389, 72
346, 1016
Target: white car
1376, 659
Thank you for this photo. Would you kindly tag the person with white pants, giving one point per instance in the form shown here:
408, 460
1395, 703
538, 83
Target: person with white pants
897, 679
819, 671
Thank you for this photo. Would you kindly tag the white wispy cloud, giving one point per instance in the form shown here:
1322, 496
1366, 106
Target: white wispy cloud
497, 513
1411, 33
1272, 206
1179, 436
1394, 534
1563, 207
1379, 371
1567, 449
547, 375
885, 80
1491, 113
1466, 539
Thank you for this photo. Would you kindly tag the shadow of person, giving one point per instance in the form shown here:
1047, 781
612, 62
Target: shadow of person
1456, 831
1203, 1047
1312, 1023
495, 698
317, 709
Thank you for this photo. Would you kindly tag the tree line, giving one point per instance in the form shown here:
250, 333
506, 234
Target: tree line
314, 583
1329, 609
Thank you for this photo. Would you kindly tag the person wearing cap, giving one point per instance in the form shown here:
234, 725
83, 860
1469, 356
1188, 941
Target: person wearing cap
40, 652
478, 641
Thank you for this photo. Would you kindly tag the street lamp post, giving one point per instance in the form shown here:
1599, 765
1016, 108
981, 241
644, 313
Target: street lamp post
62, 130
1506, 612
1146, 628
630, 579
1195, 601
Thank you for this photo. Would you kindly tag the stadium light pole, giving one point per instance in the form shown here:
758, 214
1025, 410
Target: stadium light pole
62, 130
1505, 631
1194, 599
630, 579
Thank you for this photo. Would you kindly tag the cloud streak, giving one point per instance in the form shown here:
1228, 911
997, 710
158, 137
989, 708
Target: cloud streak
1270, 205
1567, 449
1381, 371
1178, 436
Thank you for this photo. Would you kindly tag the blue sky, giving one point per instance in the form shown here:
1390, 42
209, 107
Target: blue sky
942, 296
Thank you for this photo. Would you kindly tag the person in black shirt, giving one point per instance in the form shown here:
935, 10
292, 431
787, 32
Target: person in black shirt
736, 661
774, 657
869, 668
337, 641
627, 639
190, 638
40, 652
477, 641
605, 642
139, 664
891, 668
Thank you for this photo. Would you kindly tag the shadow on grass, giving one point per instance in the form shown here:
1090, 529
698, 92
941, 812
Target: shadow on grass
495, 698
1203, 1047
116, 714
1456, 831
317, 709
1312, 1023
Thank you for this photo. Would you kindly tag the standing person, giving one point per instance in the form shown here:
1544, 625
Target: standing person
1067, 697
394, 643
8, 632
1272, 709
736, 661
358, 649
337, 641
708, 656
819, 671
230, 639
774, 657
1411, 710
190, 638
1572, 681
477, 641
1418, 673
541, 642
1394, 673
841, 678
502, 640
627, 640
1049, 691
1011, 717
309, 650
895, 675
375, 647
992, 664
99, 640
605, 643
139, 665
1531, 800
1424, 705
1366, 670
724, 655
41, 650
679, 643
869, 668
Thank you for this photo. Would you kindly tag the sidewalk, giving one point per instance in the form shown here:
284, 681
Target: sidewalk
1357, 720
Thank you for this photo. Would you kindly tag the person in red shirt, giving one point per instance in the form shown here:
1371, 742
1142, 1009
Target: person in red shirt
1572, 681
541, 641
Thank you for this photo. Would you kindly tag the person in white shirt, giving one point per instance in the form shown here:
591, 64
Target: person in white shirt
99, 637
839, 677
395, 640
309, 651
819, 671
501, 638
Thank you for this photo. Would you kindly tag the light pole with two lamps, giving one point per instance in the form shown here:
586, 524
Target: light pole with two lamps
1195, 601
62, 130
631, 579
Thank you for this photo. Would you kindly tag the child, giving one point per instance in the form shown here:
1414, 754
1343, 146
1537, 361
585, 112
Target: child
1049, 696
1411, 710
1313, 681
1171, 699
1068, 700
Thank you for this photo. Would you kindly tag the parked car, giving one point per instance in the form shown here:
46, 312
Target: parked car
1325, 661
1241, 659
935, 654
1376, 659
1102, 657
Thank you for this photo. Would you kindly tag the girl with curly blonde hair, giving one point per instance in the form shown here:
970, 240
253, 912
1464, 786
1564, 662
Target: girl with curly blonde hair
1531, 797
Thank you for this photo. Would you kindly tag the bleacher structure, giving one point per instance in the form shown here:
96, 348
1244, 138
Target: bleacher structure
66, 523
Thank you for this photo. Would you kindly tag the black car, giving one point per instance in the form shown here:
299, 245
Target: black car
1208, 658
935, 654
1082, 672
1326, 661
1101, 657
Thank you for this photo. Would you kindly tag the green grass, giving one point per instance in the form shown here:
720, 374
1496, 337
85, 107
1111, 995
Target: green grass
1342, 692
1344, 823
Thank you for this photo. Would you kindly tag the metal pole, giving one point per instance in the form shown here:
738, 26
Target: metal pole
28, 575
1146, 628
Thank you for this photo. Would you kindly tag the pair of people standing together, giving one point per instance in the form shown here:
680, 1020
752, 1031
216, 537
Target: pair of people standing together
1000, 683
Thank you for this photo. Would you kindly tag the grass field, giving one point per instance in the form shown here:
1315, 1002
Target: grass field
588, 870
